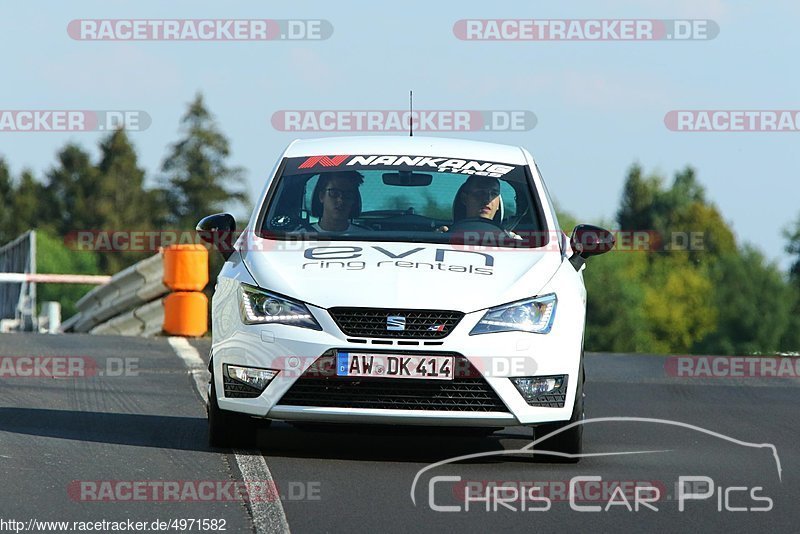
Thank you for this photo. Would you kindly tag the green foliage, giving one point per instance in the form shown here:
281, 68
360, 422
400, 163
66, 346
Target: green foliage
396, 202
566, 221
641, 200
709, 297
200, 182
679, 215
6, 200
434, 208
792, 235
615, 303
718, 297
790, 341
122, 203
750, 297
677, 303
79, 195
71, 193
20, 201
53, 256
637, 304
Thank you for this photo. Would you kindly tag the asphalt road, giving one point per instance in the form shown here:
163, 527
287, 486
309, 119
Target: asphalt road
74, 448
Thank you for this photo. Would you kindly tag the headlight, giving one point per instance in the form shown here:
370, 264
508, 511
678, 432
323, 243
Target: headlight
263, 307
533, 387
253, 377
533, 315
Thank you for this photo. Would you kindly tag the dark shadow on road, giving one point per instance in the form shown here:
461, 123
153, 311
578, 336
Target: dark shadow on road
390, 443
334, 441
163, 432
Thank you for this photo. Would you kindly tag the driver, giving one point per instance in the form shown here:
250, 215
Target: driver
478, 197
336, 200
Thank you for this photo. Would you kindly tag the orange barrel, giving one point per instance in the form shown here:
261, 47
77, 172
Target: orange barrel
186, 267
186, 313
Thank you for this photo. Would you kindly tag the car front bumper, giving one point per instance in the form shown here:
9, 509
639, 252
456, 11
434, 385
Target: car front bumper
292, 350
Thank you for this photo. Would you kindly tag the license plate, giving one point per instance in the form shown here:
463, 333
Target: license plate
394, 366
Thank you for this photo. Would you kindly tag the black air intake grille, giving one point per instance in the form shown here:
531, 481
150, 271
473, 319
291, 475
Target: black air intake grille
372, 322
235, 389
467, 392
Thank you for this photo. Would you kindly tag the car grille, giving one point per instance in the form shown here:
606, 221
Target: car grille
468, 392
554, 399
236, 390
549, 401
372, 322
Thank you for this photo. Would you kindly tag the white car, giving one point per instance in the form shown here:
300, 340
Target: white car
404, 281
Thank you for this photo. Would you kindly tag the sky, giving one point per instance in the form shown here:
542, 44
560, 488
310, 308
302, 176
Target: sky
600, 105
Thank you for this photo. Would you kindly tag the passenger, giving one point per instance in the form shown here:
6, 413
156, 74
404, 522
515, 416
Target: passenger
336, 201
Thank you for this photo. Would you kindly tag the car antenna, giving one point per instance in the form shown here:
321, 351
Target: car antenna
410, 112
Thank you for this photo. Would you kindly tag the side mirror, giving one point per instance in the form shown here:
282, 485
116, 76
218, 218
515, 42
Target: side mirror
587, 241
217, 230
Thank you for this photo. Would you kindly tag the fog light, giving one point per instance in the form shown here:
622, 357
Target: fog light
531, 387
256, 378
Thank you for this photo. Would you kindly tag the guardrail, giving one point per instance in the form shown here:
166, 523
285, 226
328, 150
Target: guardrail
18, 297
133, 302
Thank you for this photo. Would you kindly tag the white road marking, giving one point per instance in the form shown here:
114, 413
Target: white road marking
268, 517
191, 358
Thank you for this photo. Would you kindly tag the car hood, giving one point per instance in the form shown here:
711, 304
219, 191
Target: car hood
399, 275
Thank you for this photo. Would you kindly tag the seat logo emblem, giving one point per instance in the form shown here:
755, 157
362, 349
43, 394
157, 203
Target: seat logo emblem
395, 322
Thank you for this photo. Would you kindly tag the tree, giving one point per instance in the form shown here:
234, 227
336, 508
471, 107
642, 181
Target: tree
616, 319
53, 256
677, 303
750, 296
637, 305
793, 248
27, 204
699, 228
70, 198
639, 204
680, 216
22, 204
199, 179
6, 198
790, 341
686, 189
791, 338
121, 201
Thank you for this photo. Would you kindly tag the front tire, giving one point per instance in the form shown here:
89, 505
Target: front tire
228, 429
569, 441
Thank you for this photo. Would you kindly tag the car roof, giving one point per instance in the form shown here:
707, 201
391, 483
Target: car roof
398, 145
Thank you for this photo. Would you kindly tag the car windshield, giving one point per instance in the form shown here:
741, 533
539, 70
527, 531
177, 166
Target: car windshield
404, 198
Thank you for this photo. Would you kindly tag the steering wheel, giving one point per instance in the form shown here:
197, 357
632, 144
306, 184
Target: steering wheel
476, 224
